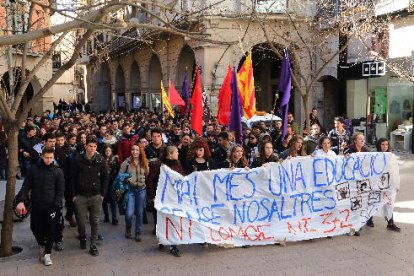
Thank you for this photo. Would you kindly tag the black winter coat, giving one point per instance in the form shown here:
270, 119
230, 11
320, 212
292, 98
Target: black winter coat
88, 176
46, 185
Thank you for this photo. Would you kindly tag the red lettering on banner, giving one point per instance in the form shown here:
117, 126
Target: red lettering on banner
211, 236
262, 234
302, 226
246, 233
240, 232
227, 233
190, 234
346, 219
388, 199
290, 229
251, 233
178, 231
306, 225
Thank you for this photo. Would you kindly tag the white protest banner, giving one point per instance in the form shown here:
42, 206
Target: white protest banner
301, 198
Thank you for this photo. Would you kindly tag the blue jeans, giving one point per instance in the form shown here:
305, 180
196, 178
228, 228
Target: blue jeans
136, 203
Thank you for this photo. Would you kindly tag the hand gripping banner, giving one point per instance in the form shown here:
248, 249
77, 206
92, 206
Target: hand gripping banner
299, 199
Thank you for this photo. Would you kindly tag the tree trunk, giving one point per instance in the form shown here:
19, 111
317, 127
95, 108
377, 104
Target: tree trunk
306, 108
7, 227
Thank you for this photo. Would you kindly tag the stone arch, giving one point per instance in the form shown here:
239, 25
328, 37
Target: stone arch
331, 101
154, 82
135, 85
186, 63
33, 87
266, 72
102, 88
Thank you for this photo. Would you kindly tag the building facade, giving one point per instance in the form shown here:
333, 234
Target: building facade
14, 20
378, 80
131, 75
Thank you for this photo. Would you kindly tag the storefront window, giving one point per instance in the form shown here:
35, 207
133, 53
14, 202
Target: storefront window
156, 101
400, 103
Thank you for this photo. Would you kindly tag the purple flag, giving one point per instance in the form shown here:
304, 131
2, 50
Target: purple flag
236, 110
185, 94
285, 86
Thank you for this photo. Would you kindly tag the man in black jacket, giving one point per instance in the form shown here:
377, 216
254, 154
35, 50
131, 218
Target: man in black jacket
46, 184
28, 153
89, 183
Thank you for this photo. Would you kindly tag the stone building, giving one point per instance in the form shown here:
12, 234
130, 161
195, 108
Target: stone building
12, 17
135, 67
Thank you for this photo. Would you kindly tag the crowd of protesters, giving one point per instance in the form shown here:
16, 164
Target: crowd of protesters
102, 154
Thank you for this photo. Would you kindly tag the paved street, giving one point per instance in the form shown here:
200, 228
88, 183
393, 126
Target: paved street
376, 252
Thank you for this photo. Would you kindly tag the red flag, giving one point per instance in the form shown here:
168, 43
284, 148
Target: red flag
197, 103
175, 98
224, 100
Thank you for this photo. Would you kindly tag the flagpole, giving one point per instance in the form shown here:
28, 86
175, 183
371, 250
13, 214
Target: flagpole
273, 112
162, 108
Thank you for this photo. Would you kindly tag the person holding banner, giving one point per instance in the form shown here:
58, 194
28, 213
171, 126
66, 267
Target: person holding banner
199, 158
296, 149
222, 151
357, 145
237, 158
137, 167
383, 145
170, 159
324, 148
266, 155
154, 151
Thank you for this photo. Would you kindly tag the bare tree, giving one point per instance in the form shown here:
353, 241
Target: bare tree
312, 43
88, 21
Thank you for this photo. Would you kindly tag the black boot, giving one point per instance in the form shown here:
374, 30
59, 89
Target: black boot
392, 227
370, 222
82, 243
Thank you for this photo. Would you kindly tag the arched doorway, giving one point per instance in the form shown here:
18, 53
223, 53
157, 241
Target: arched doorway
155, 77
120, 88
102, 88
135, 86
5, 84
331, 101
186, 63
266, 72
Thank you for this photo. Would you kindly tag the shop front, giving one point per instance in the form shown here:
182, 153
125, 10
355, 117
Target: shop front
379, 103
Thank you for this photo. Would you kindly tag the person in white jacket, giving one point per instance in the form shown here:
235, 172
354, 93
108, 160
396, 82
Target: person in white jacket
324, 147
383, 145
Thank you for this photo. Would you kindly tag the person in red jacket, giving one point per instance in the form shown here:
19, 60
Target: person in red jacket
125, 143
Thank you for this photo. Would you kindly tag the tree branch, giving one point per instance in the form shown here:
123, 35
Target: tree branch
26, 81
57, 75
60, 28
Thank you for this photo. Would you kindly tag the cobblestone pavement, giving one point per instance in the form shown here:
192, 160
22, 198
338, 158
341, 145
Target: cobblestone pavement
376, 252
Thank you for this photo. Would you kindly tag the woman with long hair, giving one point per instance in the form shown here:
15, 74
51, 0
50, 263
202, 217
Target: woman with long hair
266, 155
324, 147
199, 158
112, 167
169, 158
295, 149
383, 145
237, 159
136, 165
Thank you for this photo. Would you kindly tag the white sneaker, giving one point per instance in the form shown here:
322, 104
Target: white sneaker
41, 253
47, 260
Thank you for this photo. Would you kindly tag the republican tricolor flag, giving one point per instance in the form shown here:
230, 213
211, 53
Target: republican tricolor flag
246, 87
